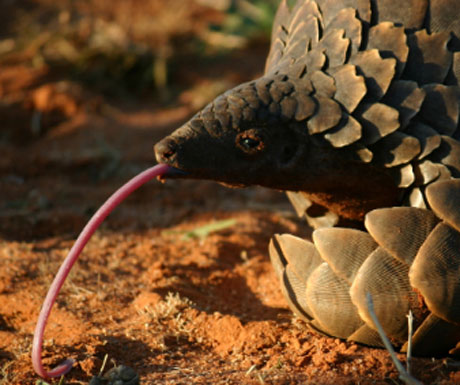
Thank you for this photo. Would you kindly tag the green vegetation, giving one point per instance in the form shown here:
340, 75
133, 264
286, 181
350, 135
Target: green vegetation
203, 231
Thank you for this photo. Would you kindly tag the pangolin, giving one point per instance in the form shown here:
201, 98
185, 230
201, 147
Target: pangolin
357, 118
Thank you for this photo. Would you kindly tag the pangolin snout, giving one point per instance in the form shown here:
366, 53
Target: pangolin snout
166, 150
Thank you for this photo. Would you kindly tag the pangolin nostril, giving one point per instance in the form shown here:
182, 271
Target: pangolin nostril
165, 150
168, 154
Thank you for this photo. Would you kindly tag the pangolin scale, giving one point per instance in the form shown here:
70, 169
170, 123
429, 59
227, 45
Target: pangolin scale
357, 118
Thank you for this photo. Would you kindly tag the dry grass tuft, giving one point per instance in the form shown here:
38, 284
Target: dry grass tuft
170, 320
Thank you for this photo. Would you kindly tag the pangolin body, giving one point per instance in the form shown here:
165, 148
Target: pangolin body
357, 118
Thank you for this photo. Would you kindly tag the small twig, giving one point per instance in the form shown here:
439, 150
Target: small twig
104, 362
251, 369
403, 374
259, 375
203, 231
260, 378
410, 321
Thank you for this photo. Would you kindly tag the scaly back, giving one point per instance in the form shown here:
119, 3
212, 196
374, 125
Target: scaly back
385, 78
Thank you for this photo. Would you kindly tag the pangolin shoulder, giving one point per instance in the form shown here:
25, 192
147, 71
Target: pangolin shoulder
390, 72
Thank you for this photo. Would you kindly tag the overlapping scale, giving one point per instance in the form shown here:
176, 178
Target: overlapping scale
456, 67
303, 10
378, 121
429, 59
395, 149
391, 41
326, 219
378, 72
330, 8
329, 300
315, 59
281, 19
297, 70
386, 279
400, 230
347, 21
278, 89
344, 249
300, 254
294, 259
406, 97
317, 216
426, 172
444, 200
416, 199
435, 272
442, 18
434, 337
441, 108
335, 47
367, 336
410, 13
294, 289
312, 29
350, 87
299, 40
404, 176
262, 87
364, 154
288, 107
327, 116
448, 153
295, 32
306, 106
350, 131
323, 84
444, 173
276, 50
249, 95
299, 201
428, 137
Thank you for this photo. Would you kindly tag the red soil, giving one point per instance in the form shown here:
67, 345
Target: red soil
176, 310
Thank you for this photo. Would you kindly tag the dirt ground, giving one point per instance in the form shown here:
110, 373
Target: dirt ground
148, 291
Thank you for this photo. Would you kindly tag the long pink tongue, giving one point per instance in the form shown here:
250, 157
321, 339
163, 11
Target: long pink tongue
114, 200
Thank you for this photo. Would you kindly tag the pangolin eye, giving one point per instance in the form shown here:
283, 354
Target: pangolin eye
249, 142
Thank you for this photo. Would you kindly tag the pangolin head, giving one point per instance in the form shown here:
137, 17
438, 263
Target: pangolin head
237, 139
247, 136
263, 133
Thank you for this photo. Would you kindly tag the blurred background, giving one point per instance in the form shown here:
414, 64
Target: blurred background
87, 87
58, 57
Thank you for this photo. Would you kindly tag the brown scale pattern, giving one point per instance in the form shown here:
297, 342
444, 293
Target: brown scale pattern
409, 109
